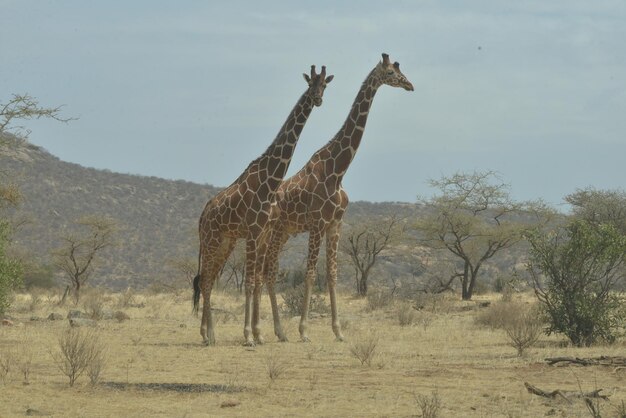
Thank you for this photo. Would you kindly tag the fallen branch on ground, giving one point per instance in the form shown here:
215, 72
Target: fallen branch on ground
593, 361
565, 394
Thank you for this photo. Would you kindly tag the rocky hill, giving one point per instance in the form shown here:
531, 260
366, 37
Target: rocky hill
157, 220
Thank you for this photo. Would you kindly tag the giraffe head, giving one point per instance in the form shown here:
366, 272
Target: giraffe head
391, 75
317, 83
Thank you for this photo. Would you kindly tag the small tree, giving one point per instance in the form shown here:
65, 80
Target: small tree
184, 267
581, 263
235, 267
473, 218
79, 351
80, 252
364, 243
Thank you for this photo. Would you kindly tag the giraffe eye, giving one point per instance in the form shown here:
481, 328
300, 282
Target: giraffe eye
390, 72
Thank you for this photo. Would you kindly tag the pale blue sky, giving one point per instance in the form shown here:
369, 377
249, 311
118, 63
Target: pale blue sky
195, 90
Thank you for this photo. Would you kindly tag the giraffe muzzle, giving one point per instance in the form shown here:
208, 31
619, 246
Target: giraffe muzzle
317, 101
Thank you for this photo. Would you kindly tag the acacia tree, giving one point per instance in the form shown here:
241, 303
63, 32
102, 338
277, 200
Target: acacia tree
574, 270
80, 252
24, 107
473, 218
600, 206
363, 244
19, 107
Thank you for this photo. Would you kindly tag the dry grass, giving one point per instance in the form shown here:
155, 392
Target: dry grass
169, 373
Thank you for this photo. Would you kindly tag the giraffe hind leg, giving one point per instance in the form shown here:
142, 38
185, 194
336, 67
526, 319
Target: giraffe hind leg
270, 272
210, 267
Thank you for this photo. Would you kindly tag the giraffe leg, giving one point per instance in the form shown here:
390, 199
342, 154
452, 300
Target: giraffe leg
258, 287
251, 249
277, 241
332, 242
211, 264
314, 250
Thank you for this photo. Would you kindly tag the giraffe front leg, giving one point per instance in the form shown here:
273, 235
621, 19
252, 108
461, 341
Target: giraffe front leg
314, 249
247, 327
256, 316
332, 242
251, 248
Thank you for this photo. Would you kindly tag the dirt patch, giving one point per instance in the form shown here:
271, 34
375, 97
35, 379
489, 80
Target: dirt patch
174, 387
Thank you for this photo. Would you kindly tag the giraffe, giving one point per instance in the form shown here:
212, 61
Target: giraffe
314, 201
242, 210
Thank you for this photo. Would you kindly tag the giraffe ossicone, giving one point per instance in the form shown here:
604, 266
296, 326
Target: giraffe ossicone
313, 200
242, 210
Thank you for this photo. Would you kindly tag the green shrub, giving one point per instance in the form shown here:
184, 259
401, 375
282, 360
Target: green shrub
575, 270
10, 270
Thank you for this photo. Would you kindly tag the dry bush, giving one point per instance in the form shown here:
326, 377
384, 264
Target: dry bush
522, 322
121, 316
78, 350
428, 405
36, 299
378, 299
293, 298
26, 362
498, 315
97, 364
433, 302
276, 367
523, 328
406, 315
7, 361
364, 349
127, 298
93, 303
424, 319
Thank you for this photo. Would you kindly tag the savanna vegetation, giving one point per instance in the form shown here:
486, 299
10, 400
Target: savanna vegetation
450, 306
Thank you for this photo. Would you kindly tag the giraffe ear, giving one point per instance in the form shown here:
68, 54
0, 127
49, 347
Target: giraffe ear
306, 78
329, 79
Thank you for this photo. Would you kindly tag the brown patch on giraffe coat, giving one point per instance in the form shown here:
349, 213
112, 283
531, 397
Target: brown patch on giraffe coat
344, 158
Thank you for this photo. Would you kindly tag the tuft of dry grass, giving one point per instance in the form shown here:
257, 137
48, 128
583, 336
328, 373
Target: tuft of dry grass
429, 406
276, 366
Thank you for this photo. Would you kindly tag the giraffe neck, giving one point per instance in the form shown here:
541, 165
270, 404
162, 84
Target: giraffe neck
274, 162
346, 142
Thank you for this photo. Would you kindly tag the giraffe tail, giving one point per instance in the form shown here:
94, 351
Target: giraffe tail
196, 294
196, 289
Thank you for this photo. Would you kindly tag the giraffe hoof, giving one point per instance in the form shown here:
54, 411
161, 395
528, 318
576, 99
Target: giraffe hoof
260, 341
249, 344
340, 339
305, 339
283, 339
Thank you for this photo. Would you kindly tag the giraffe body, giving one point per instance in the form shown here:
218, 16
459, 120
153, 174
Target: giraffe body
242, 210
313, 200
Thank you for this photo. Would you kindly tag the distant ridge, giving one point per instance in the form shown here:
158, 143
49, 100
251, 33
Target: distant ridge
157, 217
